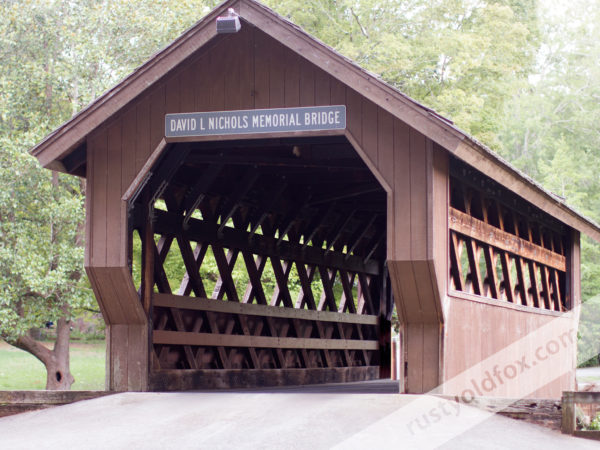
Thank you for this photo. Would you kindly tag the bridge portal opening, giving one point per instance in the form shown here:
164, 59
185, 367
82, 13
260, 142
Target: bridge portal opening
262, 262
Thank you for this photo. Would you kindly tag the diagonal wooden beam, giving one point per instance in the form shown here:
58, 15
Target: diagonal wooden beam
320, 218
535, 291
557, 296
204, 231
254, 290
507, 277
281, 293
337, 231
233, 202
365, 301
347, 301
161, 179
546, 288
492, 277
375, 243
197, 193
266, 208
345, 194
522, 289
192, 270
327, 277
455, 264
306, 296
360, 233
175, 312
225, 265
474, 274
199, 253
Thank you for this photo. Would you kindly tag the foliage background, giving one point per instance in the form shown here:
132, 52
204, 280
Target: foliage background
519, 75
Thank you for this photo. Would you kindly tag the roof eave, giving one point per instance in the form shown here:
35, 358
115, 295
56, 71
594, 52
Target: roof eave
440, 130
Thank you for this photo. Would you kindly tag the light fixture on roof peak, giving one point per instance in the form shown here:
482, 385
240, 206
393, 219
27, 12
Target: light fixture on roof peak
229, 23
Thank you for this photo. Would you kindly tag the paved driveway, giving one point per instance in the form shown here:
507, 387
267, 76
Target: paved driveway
589, 372
359, 416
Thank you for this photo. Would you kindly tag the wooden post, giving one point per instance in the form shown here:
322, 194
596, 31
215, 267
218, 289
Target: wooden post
147, 282
568, 413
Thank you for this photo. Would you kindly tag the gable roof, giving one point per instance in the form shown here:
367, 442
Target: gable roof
71, 135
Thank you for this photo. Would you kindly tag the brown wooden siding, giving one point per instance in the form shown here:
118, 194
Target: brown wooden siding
262, 73
477, 330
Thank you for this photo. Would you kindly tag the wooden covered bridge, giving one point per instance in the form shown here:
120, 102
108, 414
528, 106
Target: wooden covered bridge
256, 203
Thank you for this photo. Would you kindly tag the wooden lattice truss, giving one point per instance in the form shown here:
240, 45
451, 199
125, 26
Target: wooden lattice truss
305, 223
503, 248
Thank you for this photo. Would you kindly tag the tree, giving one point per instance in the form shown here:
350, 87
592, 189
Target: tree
551, 125
464, 59
41, 212
56, 57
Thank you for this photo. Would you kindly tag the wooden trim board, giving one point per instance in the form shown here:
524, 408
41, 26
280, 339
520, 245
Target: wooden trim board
204, 304
233, 340
477, 229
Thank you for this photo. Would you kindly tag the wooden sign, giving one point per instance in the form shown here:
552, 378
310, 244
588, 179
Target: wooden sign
314, 118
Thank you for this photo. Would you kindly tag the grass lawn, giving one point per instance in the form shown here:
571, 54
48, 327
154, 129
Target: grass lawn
20, 370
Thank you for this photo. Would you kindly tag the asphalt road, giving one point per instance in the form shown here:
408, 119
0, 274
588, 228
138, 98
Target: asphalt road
352, 416
589, 372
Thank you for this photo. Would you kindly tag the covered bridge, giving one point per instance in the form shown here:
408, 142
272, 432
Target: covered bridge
261, 151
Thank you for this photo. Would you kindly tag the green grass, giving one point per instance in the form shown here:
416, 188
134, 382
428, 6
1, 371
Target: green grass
20, 370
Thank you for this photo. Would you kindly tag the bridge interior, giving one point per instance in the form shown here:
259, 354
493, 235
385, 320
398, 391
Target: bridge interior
262, 256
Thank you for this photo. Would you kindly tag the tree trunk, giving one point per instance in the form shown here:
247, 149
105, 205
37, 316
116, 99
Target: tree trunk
56, 361
59, 374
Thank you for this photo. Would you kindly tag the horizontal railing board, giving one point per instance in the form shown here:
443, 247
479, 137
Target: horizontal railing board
235, 340
223, 306
480, 231
43, 397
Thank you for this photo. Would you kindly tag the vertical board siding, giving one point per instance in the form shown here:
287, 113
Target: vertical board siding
231, 57
354, 114
137, 360
119, 344
385, 162
113, 195
98, 192
307, 83
414, 357
172, 94
440, 217
187, 90
157, 117
418, 196
128, 148
246, 87
142, 133
89, 204
251, 70
385, 145
276, 75
402, 192
292, 80
323, 88
214, 73
431, 352
201, 83
369, 131
476, 331
262, 63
